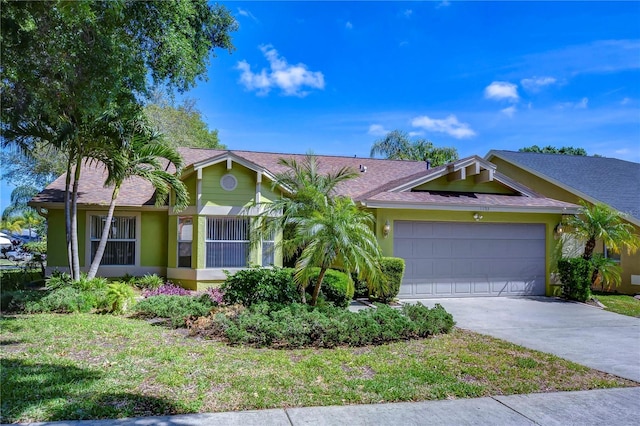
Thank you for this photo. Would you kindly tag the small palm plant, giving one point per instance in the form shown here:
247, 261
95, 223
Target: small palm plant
120, 297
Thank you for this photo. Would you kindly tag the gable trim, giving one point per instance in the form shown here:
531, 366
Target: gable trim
493, 208
561, 185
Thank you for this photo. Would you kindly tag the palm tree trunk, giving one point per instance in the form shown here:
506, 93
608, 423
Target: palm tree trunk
105, 235
588, 248
316, 289
74, 221
67, 215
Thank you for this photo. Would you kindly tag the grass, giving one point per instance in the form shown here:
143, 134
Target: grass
85, 366
620, 303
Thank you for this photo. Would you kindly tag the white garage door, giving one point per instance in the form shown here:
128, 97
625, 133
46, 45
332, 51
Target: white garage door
470, 259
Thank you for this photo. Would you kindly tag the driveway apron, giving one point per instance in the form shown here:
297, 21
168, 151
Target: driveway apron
584, 334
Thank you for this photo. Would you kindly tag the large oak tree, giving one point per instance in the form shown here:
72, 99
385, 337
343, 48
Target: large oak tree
66, 65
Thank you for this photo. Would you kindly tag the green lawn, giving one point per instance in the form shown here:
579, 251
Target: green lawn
620, 303
86, 366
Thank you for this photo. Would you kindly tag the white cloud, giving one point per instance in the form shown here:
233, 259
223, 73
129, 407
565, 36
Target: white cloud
449, 125
625, 101
444, 3
536, 83
377, 130
509, 111
247, 14
420, 133
584, 102
348, 25
623, 151
407, 13
290, 79
501, 90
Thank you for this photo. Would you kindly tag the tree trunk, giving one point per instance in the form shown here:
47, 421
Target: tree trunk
316, 289
594, 277
67, 215
588, 248
74, 221
95, 263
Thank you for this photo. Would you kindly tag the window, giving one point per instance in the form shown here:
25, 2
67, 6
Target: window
609, 254
185, 237
268, 249
121, 243
227, 242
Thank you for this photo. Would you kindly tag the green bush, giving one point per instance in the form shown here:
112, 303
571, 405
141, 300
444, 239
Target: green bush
176, 308
64, 300
360, 287
392, 273
575, 276
337, 287
297, 325
149, 281
16, 300
255, 285
119, 297
17, 279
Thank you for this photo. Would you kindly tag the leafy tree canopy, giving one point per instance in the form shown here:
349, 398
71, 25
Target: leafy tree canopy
397, 145
565, 150
182, 124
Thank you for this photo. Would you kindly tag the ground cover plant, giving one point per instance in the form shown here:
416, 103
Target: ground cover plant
619, 303
298, 325
86, 366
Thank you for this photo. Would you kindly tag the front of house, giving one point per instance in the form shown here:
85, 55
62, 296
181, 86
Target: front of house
464, 229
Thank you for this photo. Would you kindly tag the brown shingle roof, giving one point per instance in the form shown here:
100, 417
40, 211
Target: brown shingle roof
372, 185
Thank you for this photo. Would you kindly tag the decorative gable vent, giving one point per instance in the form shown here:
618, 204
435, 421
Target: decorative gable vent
228, 182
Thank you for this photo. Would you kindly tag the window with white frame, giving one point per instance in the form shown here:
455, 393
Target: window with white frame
610, 254
185, 238
268, 249
227, 242
121, 242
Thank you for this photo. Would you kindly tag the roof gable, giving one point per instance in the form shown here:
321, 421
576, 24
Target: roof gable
596, 179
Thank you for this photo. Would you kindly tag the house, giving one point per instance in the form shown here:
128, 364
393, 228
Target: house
574, 178
464, 229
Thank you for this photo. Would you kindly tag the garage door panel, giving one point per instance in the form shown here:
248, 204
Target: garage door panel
471, 259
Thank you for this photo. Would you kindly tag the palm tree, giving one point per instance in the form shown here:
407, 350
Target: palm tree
310, 199
598, 222
140, 153
20, 196
338, 235
396, 145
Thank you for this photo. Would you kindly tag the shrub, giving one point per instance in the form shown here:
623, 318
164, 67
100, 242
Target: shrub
392, 272
337, 286
119, 297
58, 280
254, 285
64, 300
575, 276
16, 300
17, 279
150, 281
297, 325
176, 308
63, 279
360, 287
168, 289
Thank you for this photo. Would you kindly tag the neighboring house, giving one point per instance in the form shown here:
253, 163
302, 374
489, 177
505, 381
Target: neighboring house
464, 229
572, 178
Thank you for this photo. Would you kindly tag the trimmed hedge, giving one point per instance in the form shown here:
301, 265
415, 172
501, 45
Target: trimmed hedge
575, 276
392, 271
297, 325
336, 286
255, 285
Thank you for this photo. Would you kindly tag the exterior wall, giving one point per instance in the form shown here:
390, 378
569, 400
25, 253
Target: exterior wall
630, 263
467, 185
154, 239
214, 195
549, 220
57, 240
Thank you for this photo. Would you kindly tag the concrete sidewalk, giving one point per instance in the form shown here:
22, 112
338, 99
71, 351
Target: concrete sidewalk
597, 407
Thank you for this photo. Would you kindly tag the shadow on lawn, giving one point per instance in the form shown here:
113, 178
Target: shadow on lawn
46, 392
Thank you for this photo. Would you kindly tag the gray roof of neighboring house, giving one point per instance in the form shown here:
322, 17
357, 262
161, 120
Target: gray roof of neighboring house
608, 180
381, 176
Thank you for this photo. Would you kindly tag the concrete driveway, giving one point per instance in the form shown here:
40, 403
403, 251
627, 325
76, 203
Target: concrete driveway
584, 334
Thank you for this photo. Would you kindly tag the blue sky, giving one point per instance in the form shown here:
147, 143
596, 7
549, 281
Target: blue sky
332, 77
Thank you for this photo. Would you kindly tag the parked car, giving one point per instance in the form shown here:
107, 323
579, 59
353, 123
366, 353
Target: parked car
18, 256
